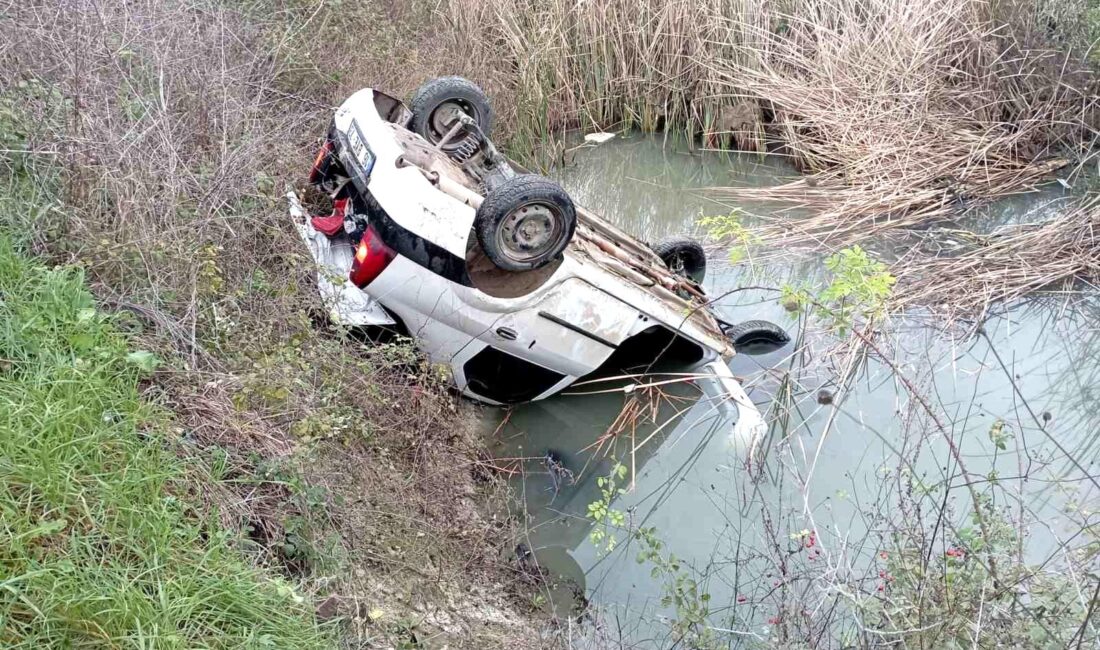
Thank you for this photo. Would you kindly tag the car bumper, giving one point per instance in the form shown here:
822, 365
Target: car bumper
346, 303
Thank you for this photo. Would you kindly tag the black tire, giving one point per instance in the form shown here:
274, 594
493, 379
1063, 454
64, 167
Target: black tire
683, 256
502, 222
757, 337
448, 93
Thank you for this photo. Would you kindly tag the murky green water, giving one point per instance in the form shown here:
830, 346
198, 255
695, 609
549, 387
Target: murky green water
723, 510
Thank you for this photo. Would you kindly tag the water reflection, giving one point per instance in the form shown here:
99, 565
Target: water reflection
652, 187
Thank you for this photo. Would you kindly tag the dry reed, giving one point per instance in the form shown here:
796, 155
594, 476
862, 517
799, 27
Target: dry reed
613, 63
1006, 265
905, 113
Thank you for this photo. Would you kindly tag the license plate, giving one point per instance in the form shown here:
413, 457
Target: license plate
362, 156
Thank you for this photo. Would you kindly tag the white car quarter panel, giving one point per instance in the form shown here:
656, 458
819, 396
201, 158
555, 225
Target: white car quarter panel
573, 329
423, 298
440, 342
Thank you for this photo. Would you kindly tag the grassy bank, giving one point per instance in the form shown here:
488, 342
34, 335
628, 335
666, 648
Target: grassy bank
101, 545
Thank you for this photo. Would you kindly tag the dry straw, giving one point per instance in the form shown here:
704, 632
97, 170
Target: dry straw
1006, 265
905, 113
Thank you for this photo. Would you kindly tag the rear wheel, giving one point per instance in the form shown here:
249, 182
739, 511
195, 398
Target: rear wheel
525, 223
683, 256
440, 102
757, 337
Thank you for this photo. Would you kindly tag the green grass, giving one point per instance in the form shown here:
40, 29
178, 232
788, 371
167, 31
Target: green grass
99, 545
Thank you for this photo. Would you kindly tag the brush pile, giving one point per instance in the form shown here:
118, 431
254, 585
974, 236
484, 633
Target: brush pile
1006, 265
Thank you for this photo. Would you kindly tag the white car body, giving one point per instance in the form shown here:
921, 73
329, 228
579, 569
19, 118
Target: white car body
561, 330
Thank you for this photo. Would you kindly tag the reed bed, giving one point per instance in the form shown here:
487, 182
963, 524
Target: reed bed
613, 63
840, 213
900, 112
1007, 265
905, 113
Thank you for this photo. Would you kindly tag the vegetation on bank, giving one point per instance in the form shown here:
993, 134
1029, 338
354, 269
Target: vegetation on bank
102, 544
146, 147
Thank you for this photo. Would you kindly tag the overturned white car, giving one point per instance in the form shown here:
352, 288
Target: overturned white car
492, 270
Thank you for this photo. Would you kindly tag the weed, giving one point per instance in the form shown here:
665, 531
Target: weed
681, 592
607, 519
729, 229
859, 289
934, 596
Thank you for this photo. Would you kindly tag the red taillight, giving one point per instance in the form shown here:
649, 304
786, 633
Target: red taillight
320, 164
372, 256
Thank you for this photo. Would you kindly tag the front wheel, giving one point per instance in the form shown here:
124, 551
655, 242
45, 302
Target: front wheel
683, 256
756, 337
525, 223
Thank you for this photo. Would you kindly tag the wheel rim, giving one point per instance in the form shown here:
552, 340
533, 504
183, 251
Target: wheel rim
530, 232
676, 265
443, 116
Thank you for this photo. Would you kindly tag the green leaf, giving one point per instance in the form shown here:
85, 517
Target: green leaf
144, 360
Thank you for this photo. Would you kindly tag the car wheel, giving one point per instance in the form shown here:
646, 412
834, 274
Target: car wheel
683, 256
525, 222
438, 102
757, 337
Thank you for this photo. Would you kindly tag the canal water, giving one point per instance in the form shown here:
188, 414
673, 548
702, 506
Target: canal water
1017, 401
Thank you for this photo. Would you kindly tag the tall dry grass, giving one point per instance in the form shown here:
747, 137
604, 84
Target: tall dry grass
613, 63
907, 112
895, 107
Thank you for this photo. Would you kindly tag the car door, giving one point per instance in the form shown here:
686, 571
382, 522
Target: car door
533, 351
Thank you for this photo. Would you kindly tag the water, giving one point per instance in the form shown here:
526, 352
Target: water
728, 512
